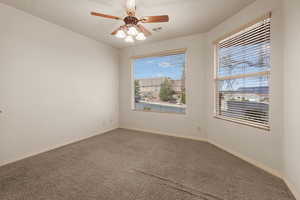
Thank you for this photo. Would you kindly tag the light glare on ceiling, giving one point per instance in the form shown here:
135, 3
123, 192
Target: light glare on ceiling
130, 4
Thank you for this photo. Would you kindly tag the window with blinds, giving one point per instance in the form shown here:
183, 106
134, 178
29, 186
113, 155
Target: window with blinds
242, 75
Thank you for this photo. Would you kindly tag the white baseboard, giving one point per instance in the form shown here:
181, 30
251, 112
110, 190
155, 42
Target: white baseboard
249, 160
164, 133
270, 170
59, 145
293, 189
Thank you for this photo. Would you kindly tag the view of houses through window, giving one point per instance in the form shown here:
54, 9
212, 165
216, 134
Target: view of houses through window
159, 84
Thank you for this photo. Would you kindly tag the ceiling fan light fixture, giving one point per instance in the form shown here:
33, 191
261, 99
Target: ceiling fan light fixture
133, 28
129, 39
132, 31
121, 34
140, 36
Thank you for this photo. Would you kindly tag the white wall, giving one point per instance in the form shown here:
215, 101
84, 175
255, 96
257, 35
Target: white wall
292, 94
56, 86
263, 147
179, 125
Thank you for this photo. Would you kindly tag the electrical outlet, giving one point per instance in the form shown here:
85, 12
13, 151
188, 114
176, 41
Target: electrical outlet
199, 129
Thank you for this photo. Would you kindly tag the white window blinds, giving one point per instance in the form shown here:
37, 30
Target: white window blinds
242, 75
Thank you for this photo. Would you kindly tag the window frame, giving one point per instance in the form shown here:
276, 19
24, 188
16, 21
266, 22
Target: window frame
216, 115
157, 54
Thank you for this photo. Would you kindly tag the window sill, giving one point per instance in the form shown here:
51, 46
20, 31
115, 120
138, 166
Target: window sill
160, 112
245, 123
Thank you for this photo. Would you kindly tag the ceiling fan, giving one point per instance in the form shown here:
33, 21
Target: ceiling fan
133, 27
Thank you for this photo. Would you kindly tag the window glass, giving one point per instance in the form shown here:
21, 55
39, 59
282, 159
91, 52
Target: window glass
159, 84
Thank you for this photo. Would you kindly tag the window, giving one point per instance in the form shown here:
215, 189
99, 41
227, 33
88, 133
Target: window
159, 82
242, 75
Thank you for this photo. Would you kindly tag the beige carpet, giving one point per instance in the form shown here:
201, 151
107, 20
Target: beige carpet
130, 165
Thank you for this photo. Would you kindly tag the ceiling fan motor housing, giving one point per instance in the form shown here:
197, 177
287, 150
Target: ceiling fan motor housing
131, 20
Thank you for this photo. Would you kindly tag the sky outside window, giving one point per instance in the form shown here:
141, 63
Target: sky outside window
167, 66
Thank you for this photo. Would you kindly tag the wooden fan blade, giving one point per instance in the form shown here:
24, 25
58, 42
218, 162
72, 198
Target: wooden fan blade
155, 19
105, 16
144, 30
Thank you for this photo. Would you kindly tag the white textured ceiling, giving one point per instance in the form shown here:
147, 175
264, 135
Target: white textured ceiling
186, 16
